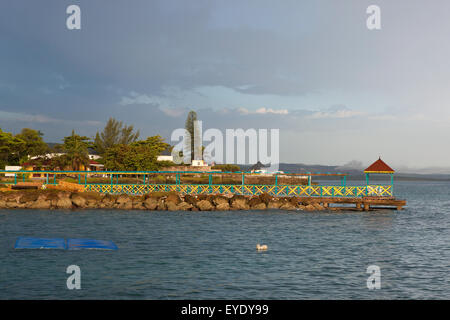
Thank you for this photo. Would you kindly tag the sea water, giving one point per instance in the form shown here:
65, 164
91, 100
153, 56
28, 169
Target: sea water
212, 255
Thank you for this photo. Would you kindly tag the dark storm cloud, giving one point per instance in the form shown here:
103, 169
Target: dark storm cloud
242, 64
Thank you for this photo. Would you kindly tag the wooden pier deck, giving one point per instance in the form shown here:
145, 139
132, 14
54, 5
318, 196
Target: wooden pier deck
362, 203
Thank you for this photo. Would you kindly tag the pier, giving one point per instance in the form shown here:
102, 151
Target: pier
363, 197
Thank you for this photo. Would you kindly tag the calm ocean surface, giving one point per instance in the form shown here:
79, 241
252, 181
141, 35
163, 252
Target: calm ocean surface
212, 255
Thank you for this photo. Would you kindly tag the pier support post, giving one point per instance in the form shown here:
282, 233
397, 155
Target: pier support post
392, 184
366, 207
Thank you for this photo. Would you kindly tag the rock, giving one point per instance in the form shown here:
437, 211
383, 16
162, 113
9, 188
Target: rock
274, 204
223, 206
183, 206
53, 198
124, 202
288, 206
204, 205
28, 197
125, 205
123, 199
108, 201
254, 201
47, 199
220, 200
138, 205
78, 200
64, 203
317, 206
40, 204
259, 206
171, 206
295, 201
150, 203
202, 197
173, 198
93, 204
190, 199
239, 203
265, 198
171, 202
12, 197
63, 195
11, 204
161, 205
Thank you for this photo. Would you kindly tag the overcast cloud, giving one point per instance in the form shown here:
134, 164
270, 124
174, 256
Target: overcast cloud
336, 90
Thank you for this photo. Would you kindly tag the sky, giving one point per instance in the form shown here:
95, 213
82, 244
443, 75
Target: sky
336, 90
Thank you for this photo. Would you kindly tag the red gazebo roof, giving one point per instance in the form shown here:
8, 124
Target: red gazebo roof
379, 166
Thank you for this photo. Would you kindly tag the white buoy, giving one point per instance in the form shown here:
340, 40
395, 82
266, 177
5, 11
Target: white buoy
261, 247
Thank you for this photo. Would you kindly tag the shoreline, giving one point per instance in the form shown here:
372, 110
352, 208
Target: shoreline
163, 201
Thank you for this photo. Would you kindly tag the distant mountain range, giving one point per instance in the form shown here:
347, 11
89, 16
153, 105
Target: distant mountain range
357, 173
354, 169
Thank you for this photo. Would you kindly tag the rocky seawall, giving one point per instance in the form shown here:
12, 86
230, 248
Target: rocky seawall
52, 199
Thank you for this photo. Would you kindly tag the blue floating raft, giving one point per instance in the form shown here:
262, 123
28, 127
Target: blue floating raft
75, 244
40, 243
59, 243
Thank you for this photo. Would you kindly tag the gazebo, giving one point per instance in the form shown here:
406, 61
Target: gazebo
380, 167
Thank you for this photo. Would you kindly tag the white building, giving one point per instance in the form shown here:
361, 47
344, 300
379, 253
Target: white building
12, 168
166, 155
53, 155
199, 163
164, 158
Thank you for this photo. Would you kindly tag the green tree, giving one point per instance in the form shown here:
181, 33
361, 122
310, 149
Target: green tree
10, 147
137, 156
114, 133
33, 144
76, 151
115, 158
189, 126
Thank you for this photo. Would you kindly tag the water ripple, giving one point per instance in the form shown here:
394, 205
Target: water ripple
212, 255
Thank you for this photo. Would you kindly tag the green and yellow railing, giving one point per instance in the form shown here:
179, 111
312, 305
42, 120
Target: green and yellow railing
282, 191
114, 187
